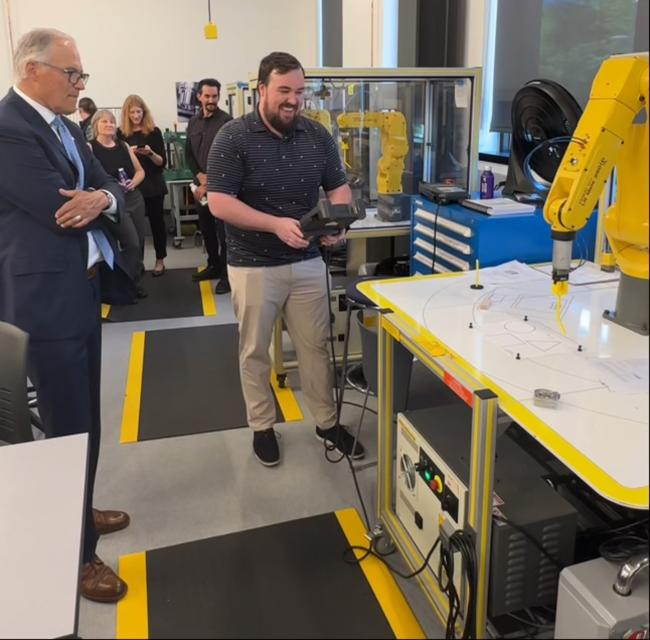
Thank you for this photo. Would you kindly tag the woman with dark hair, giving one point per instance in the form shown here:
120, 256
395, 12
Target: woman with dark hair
120, 162
87, 109
146, 141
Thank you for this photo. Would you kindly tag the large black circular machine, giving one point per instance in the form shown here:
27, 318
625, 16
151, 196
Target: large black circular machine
544, 117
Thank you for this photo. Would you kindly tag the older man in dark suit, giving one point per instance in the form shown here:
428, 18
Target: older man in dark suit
56, 208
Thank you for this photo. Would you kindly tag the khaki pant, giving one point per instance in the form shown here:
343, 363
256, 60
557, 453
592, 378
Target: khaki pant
299, 291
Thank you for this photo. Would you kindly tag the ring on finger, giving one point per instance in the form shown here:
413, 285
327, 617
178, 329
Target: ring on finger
78, 218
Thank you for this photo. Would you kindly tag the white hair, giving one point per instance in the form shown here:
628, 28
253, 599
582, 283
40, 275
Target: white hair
35, 46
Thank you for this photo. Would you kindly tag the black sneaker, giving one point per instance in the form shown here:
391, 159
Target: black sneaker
223, 286
339, 437
265, 446
210, 273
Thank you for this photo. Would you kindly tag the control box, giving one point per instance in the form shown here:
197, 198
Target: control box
433, 458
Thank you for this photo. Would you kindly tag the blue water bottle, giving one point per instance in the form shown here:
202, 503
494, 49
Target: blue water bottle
122, 178
487, 183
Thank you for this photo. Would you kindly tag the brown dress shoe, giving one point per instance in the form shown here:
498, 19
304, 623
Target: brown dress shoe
109, 521
101, 583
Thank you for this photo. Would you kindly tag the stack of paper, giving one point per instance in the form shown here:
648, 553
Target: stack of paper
496, 206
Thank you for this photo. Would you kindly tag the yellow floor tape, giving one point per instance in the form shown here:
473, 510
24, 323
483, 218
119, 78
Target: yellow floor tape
392, 601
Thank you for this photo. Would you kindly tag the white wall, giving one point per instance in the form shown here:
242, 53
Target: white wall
5, 58
145, 46
477, 11
358, 32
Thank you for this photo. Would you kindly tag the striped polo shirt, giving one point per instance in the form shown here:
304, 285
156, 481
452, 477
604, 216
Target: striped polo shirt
278, 176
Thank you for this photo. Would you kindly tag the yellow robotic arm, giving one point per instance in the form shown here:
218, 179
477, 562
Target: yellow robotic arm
394, 144
319, 115
610, 133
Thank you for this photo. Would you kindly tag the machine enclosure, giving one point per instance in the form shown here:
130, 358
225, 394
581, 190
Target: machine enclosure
588, 606
520, 575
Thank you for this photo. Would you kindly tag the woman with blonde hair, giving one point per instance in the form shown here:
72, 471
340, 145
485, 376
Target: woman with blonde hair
138, 130
120, 162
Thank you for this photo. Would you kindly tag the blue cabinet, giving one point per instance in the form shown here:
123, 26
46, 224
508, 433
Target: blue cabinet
456, 237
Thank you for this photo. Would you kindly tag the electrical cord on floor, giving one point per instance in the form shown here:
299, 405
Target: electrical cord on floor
370, 551
330, 447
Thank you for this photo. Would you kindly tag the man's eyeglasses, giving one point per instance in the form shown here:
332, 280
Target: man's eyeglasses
74, 76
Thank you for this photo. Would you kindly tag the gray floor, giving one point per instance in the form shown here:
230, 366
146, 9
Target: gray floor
182, 489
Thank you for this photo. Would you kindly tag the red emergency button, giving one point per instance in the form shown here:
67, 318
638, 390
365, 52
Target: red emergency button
436, 484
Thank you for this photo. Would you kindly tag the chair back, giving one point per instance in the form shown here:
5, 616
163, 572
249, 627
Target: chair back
402, 363
15, 423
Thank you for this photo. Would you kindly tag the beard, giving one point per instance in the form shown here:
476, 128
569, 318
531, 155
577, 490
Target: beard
276, 121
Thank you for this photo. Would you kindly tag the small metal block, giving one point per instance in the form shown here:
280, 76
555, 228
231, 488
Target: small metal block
546, 398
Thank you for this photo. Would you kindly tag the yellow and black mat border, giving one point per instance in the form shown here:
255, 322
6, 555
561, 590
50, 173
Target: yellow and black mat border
284, 580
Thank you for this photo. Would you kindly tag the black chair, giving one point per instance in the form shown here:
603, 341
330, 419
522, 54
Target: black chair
15, 416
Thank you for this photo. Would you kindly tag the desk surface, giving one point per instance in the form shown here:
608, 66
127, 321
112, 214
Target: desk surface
42, 486
371, 225
600, 427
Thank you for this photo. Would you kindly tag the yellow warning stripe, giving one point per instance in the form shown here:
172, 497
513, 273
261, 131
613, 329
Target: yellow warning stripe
392, 601
133, 396
287, 400
132, 610
207, 299
106, 309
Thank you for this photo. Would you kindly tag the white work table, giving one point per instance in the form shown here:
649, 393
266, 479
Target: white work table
42, 488
505, 336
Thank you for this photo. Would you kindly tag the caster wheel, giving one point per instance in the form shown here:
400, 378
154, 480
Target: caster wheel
384, 545
282, 380
178, 244
381, 540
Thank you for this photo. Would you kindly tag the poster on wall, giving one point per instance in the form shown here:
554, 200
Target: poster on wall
186, 103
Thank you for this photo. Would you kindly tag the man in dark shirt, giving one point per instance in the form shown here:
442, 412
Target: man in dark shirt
201, 130
264, 172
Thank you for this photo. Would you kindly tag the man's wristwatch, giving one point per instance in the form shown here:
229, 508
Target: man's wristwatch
109, 199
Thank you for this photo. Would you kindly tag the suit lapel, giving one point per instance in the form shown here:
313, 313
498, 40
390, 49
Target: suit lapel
51, 143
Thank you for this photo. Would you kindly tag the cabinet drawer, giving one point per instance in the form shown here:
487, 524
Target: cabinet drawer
430, 219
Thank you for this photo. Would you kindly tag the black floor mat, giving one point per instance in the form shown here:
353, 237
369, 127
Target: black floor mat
190, 382
172, 295
281, 581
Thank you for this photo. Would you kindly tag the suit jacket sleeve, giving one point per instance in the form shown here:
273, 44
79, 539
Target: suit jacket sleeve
31, 182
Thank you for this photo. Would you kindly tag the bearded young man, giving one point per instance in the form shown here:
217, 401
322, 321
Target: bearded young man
265, 170
201, 131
